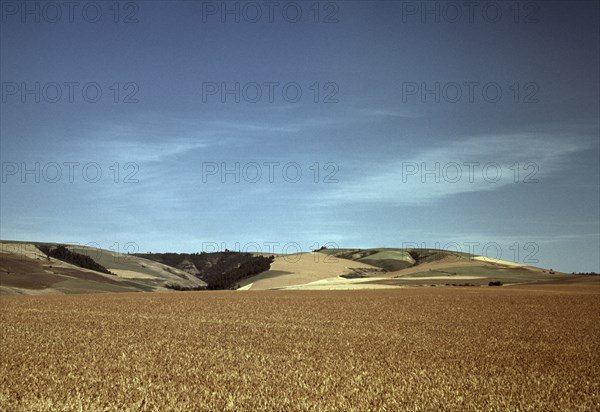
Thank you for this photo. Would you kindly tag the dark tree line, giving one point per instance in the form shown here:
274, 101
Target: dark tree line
61, 252
181, 288
229, 276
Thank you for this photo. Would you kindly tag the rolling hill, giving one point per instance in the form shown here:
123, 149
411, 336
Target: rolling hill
220, 270
329, 269
25, 269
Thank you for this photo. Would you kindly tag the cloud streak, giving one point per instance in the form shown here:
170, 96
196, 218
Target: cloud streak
480, 163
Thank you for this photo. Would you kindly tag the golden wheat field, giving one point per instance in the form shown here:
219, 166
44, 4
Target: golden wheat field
420, 349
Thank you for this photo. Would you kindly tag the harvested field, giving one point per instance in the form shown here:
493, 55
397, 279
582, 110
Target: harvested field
519, 348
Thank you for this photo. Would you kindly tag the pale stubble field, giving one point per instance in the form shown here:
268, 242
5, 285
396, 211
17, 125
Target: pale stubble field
422, 349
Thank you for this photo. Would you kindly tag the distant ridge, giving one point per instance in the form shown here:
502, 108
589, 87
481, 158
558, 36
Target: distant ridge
25, 269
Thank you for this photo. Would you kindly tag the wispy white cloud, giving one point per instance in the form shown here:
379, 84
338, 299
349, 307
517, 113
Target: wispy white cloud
136, 151
242, 126
386, 113
479, 163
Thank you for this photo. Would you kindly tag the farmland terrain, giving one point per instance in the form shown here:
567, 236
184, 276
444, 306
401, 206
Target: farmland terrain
331, 269
526, 347
48, 268
25, 269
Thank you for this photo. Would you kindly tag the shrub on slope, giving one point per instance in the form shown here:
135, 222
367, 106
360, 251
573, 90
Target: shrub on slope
61, 252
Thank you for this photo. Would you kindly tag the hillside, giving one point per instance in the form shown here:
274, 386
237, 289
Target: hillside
220, 270
329, 269
295, 271
25, 269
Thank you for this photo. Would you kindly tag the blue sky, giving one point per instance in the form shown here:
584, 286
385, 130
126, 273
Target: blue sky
178, 126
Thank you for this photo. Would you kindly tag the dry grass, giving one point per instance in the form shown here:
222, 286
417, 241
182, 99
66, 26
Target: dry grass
408, 349
300, 269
